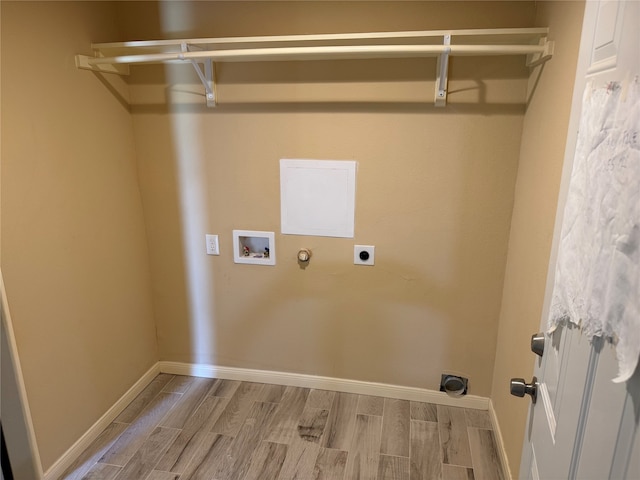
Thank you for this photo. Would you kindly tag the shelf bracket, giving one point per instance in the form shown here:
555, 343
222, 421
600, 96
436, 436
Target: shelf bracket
82, 61
442, 70
536, 59
207, 77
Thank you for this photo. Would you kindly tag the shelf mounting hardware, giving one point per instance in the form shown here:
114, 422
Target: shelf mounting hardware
83, 62
442, 70
535, 59
207, 77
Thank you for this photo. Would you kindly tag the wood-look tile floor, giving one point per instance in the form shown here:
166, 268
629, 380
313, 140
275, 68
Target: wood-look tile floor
187, 428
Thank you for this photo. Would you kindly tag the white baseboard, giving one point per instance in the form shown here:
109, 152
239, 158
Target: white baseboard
277, 378
325, 383
103, 422
504, 461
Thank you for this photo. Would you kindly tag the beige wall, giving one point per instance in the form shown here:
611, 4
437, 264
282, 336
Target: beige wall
537, 187
74, 255
434, 194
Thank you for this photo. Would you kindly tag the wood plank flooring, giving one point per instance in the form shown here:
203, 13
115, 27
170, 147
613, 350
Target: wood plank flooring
187, 428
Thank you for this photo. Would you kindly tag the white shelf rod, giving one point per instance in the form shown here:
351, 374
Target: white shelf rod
520, 33
323, 53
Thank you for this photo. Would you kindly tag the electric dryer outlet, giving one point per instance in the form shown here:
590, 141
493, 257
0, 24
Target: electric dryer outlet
364, 255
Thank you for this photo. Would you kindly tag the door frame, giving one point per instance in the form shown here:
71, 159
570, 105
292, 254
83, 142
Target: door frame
16, 416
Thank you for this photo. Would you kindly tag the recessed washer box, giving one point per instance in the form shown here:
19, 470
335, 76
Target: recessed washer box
254, 247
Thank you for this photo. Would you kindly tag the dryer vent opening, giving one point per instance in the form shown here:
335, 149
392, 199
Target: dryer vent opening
453, 385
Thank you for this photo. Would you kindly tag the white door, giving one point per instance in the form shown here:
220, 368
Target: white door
583, 425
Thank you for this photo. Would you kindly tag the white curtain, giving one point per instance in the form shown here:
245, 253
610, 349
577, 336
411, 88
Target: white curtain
597, 281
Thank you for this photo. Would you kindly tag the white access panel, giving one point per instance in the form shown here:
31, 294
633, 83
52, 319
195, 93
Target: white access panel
317, 197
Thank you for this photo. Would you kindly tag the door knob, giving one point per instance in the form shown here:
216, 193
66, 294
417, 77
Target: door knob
520, 388
537, 343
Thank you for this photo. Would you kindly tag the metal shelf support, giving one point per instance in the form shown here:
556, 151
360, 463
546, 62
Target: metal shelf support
442, 71
206, 76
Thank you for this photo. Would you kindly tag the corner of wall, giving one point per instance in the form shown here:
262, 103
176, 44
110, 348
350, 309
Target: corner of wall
537, 187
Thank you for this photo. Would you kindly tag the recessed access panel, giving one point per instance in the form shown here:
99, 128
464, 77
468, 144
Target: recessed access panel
317, 197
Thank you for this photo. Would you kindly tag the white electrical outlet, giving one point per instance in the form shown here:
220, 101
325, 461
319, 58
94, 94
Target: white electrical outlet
364, 255
212, 245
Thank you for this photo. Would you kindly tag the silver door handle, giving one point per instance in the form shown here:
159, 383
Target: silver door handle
537, 343
520, 388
